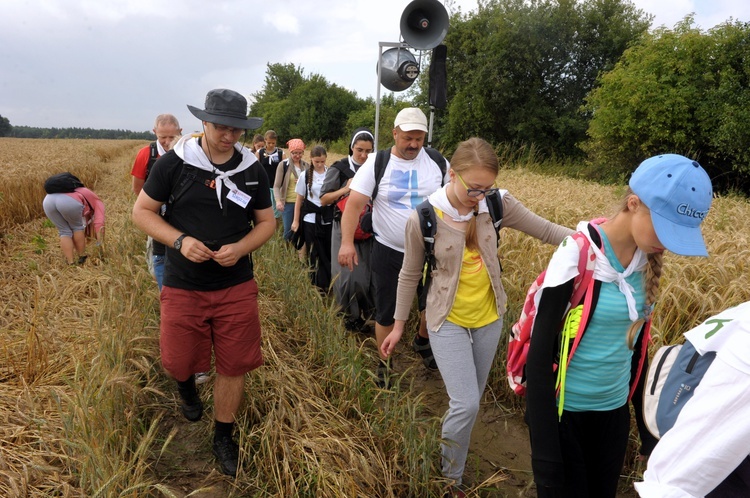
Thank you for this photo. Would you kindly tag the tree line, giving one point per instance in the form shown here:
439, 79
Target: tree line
580, 82
8, 130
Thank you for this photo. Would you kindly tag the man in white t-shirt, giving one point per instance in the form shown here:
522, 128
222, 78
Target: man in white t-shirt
410, 176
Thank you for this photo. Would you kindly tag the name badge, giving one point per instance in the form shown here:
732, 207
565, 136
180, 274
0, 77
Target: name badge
239, 197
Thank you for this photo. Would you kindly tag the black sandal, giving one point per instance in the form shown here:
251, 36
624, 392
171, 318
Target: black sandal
425, 351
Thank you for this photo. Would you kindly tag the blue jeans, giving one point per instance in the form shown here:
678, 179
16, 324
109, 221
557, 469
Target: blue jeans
159, 270
287, 217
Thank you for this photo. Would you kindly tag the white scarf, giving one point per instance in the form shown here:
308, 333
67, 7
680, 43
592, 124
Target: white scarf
564, 266
439, 200
190, 151
161, 150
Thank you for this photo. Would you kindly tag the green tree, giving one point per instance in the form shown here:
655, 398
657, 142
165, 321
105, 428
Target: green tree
310, 108
680, 90
5, 127
518, 70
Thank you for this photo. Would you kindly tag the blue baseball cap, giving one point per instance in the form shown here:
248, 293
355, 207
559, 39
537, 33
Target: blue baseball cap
678, 192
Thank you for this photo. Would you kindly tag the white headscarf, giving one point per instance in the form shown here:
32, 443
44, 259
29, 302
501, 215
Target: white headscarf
190, 151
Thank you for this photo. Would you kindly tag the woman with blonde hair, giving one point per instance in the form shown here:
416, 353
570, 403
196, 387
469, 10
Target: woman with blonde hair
466, 299
578, 448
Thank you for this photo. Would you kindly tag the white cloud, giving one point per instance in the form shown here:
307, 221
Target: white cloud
118, 63
223, 32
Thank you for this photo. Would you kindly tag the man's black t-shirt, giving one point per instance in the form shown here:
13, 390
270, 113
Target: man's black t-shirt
197, 213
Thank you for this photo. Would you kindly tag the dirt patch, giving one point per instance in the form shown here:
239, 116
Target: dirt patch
500, 451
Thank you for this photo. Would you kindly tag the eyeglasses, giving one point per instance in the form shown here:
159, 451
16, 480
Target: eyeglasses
476, 192
221, 129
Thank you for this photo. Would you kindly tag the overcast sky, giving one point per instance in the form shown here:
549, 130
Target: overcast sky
119, 63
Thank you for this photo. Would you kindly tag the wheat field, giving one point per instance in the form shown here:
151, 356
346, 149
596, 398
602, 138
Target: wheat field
85, 409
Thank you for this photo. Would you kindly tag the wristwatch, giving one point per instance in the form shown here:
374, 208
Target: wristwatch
178, 243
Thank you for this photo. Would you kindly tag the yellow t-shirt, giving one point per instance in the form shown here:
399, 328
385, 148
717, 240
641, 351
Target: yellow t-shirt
475, 304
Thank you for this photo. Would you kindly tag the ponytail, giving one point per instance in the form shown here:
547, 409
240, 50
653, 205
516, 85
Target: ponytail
471, 231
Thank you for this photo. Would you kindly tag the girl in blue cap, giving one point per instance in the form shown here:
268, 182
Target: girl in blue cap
579, 450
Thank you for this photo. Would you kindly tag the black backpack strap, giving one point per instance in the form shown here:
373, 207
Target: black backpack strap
344, 169
428, 224
152, 157
495, 207
184, 181
381, 161
439, 160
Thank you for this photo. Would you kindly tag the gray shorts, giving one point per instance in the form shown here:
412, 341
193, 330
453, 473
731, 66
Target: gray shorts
65, 212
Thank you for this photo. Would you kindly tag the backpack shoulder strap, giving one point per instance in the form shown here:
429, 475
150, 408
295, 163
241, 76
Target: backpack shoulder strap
184, 181
152, 157
439, 160
381, 161
495, 207
343, 167
428, 226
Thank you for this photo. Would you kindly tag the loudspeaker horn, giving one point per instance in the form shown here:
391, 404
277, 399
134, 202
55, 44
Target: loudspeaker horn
398, 69
424, 24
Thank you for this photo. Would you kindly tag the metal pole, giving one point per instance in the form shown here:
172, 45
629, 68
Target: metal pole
429, 135
377, 96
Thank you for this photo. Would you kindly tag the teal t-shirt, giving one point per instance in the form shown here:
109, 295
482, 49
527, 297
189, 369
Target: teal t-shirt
598, 377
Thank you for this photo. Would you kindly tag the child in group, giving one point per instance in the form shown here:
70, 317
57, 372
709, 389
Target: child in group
270, 156
317, 221
285, 181
466, 299
580, 453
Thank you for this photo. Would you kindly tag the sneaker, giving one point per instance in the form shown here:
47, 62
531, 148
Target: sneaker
201, 378
425, 351
227, 452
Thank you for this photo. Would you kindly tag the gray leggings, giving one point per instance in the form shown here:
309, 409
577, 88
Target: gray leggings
464, 357
65, 212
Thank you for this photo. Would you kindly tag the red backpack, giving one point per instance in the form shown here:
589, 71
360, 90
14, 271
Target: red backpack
520, 335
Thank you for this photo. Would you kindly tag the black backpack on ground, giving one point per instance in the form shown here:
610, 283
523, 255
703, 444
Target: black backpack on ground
62, 183
428, 224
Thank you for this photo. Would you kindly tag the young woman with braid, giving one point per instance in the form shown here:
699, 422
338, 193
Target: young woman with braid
317, 220
579, 452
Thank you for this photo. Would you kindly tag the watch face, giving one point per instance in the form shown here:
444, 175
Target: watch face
178, 242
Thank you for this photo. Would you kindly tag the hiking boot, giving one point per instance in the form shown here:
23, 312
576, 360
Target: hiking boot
425, 351
193, 409
227, 453
202, 378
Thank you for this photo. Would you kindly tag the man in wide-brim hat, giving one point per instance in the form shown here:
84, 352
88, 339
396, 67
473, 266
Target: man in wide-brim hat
214, 188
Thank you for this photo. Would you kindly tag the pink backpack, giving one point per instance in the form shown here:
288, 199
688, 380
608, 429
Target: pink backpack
520, 334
